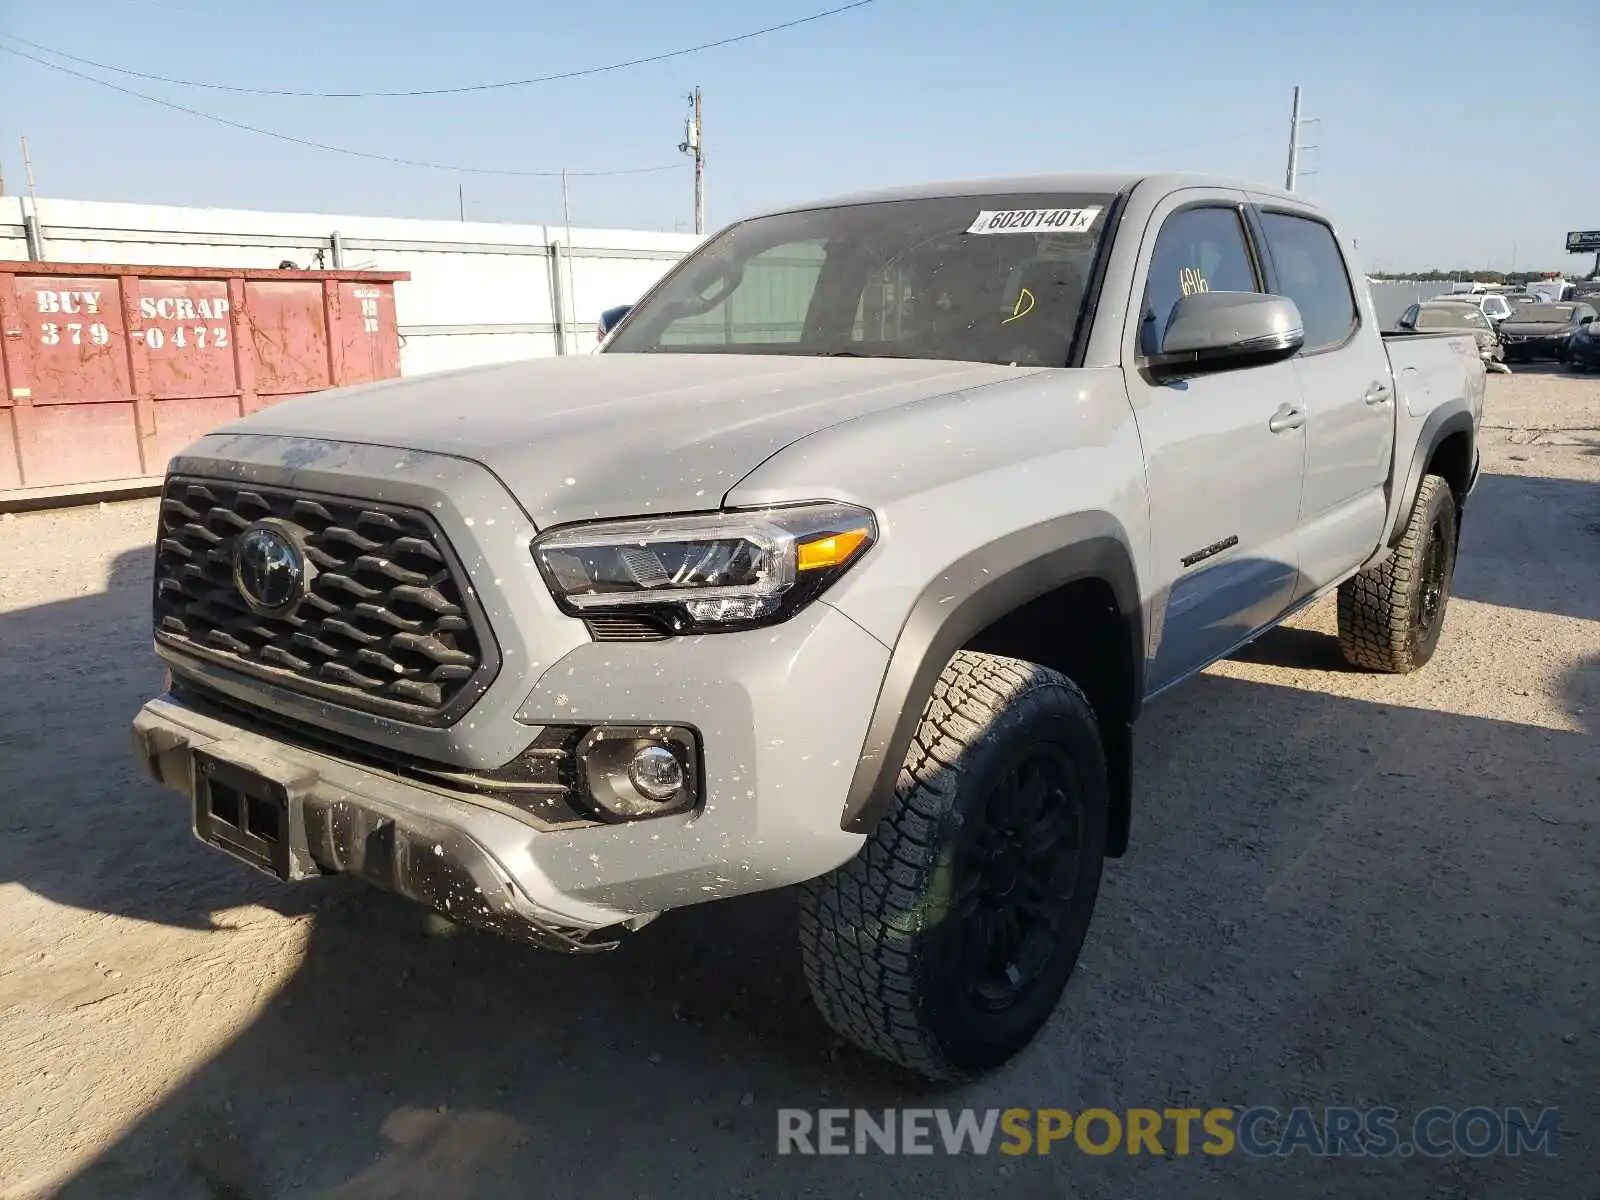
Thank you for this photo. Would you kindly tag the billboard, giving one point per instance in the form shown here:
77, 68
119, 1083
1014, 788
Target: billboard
1583, 241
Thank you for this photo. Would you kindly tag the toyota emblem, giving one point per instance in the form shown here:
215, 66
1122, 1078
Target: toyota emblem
269, 569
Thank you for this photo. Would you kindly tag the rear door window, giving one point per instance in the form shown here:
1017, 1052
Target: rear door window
1311, 272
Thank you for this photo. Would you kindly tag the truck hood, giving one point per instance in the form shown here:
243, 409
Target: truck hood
610, 435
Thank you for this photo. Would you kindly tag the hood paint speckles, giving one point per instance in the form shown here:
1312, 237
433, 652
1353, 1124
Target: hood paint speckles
613, 435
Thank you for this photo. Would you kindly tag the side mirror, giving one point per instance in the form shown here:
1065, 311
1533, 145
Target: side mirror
610, 319
1214, 331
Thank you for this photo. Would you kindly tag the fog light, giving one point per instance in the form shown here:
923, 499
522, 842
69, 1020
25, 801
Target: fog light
629, 773
656, 773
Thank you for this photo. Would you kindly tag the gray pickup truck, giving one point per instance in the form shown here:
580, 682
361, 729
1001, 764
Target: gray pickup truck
848, 563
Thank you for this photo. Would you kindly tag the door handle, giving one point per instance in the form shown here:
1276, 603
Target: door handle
1286, 418
1378, 393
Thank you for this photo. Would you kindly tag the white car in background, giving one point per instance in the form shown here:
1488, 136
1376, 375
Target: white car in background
1491, 304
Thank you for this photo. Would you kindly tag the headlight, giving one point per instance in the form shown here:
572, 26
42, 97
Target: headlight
702, 574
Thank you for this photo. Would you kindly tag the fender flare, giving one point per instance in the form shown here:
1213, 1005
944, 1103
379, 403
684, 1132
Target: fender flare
1441, 423
967, 597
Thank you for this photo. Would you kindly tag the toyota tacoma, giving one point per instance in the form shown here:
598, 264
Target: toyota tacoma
848, 563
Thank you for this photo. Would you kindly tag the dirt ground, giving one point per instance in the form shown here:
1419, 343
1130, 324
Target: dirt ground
1342, 889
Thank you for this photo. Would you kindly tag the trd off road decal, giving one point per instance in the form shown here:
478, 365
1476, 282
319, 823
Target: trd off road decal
1034, 220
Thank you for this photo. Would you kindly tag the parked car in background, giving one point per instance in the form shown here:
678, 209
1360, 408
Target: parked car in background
610, 319
1583, 353
1452, 316
1492, 305
1544, 330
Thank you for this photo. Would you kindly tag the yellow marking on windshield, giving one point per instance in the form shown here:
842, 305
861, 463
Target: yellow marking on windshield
1019, 311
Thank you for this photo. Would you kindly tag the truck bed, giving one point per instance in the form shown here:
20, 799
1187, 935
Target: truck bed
1430, 369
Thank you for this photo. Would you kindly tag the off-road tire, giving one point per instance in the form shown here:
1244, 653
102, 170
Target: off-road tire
1390, 616
889, 940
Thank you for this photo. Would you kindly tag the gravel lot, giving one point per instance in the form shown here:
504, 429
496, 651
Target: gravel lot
1343, 889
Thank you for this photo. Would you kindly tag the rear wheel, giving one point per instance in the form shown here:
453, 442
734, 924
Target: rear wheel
1390, 616
945, 944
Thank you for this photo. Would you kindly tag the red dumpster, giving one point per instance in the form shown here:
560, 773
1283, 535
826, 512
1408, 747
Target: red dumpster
110, 370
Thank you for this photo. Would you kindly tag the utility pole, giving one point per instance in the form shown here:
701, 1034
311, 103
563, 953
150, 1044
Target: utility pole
30, 220
693, 143
570, 336
27, 166
1292, 173
461, 201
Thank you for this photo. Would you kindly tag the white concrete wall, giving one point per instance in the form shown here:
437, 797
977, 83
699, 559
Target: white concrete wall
479, 292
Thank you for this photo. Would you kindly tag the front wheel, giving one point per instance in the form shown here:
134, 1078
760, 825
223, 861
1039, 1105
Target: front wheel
945, 944
1390, 616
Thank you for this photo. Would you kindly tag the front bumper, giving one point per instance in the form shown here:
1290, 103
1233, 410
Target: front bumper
1535, 347
781, 715
1585, 351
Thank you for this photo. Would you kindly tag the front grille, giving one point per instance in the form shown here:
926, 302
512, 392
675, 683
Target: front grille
386, 625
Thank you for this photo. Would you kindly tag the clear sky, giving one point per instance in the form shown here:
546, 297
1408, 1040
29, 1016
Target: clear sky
1452, 132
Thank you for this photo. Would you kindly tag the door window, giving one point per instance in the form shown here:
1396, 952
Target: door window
1197, 250
1311, 272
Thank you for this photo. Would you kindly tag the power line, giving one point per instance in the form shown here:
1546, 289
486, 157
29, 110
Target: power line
314, 145
445, 91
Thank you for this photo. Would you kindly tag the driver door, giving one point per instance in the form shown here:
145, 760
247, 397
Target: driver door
1224, 451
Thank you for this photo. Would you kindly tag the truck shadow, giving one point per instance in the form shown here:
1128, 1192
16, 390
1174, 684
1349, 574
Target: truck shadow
1520, 559
78, 818
1375, 901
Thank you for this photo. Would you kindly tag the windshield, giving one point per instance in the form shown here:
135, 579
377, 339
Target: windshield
1454, 316
1557, 314
997, 278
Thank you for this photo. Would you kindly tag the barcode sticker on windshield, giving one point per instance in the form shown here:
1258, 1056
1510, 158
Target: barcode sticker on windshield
1035, 220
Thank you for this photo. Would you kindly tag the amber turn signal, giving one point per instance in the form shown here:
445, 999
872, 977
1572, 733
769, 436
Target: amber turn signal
832, 551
